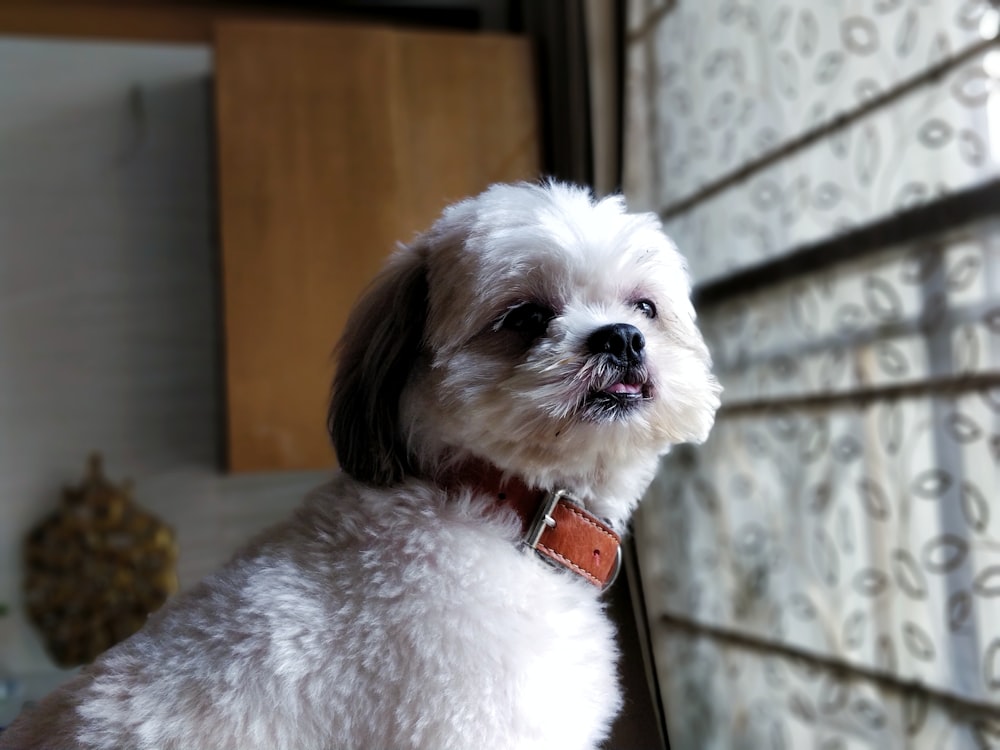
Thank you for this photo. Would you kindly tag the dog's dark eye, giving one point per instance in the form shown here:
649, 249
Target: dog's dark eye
529, 319
646, 307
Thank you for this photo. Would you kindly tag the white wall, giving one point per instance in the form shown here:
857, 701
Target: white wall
109, 338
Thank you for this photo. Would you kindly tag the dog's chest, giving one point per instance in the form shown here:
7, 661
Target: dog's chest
495, 638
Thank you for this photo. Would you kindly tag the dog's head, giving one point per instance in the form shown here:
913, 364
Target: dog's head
533, 328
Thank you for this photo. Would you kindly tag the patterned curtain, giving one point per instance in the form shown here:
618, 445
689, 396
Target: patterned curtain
825, 571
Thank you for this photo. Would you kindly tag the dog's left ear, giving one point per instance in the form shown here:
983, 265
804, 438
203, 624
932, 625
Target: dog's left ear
381, 342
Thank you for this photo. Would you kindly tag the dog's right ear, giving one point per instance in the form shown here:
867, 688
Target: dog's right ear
381, 342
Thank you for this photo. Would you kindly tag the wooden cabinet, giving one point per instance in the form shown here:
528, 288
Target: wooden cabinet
335, 142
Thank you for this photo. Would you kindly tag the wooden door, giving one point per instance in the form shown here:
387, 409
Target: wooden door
335, 143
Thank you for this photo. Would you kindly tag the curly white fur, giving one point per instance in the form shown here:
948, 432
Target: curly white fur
394, 612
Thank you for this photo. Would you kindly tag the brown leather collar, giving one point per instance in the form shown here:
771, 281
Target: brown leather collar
553, 525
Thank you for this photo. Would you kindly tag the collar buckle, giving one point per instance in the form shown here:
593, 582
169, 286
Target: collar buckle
543, 520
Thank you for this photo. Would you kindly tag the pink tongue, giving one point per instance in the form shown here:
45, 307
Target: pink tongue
632, 388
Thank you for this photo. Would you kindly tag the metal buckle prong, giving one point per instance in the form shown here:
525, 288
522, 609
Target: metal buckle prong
543, 519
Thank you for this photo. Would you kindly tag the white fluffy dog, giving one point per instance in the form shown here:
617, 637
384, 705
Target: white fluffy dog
505, 389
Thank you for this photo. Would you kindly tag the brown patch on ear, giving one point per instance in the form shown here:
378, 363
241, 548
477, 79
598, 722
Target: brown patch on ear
381, 342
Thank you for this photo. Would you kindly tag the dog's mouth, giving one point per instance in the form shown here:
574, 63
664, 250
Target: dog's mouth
619, 397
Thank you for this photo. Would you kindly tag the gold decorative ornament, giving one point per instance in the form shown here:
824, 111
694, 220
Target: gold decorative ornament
96, 568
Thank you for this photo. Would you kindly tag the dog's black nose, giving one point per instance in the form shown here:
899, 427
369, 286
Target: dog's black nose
624, 343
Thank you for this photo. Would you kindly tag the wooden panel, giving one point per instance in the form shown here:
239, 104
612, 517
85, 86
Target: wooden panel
335, 142
471, 116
